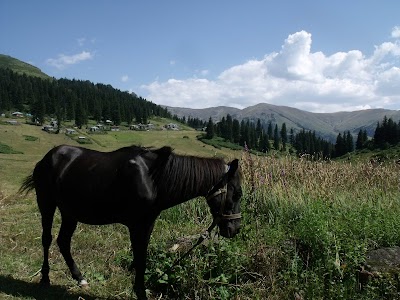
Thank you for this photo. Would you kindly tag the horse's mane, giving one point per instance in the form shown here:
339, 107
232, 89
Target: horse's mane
184, 176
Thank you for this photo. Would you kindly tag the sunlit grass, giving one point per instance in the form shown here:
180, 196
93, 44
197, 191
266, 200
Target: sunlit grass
305, 231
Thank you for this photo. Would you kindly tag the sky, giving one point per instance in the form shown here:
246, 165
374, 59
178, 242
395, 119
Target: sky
318, 56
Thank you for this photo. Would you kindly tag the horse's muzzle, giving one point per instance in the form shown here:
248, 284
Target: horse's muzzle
229, 229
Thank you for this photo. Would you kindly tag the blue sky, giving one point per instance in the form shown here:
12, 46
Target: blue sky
320, 56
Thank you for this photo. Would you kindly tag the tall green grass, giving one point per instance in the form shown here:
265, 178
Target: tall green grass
306, 229
323, 217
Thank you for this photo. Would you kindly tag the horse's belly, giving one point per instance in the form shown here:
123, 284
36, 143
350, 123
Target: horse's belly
96, 212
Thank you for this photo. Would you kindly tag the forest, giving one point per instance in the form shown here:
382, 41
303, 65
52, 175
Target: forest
73, 100
255, 136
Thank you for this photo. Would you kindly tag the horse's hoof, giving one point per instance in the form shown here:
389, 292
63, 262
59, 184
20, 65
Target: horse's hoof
141, 295
44, 282
83, 283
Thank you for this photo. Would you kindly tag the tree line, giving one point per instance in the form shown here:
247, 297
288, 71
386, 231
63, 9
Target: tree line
263, 138
250, 134
387, 133
73, 100
260, 137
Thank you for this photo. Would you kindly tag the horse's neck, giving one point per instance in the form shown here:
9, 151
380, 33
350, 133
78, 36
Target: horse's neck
193, 178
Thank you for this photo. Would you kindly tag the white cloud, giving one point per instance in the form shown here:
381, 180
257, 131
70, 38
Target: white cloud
64, 61
396, 32
125, 78
295, 76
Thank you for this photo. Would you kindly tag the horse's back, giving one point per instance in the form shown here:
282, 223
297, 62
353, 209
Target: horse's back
95, 187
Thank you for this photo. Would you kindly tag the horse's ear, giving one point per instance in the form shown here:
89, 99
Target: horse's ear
233, 166
163, 155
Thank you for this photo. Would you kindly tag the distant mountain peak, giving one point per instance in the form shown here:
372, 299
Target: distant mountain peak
326, 125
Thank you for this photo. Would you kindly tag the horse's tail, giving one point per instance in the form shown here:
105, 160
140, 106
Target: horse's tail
27, 185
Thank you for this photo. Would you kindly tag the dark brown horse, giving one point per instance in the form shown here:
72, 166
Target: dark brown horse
131, 186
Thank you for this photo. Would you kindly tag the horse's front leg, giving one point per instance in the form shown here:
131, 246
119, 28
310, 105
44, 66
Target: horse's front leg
140, 237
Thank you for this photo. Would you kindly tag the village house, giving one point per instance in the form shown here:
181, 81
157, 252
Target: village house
141, 126
48, 128
70, 131
94, 129
17, 114
172, 126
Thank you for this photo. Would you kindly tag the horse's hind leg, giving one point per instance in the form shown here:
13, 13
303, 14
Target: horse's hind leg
67, 229
47, 210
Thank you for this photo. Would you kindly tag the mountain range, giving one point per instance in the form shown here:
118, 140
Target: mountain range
326, 125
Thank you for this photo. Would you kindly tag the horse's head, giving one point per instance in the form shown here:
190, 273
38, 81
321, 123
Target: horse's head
224, 201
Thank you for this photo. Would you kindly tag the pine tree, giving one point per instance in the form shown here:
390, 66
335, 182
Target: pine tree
97, 110
242, 133
210, 129
253, 137
228, 128
361, 139
340, 146
292, 137
269, 130
264, 145
349, 142
222, 128
236, 131
116, 114
38, 111
259, 128
276, 137
246, 134
365, 136
387, 133
59, 116
80, 118
284, 136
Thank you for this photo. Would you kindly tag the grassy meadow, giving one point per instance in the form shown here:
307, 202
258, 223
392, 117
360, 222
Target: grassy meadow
306, 229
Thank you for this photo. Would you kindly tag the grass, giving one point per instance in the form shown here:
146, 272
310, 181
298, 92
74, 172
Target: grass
306, 229
325, 216
218, 143
21, 67
30, 138
8, 150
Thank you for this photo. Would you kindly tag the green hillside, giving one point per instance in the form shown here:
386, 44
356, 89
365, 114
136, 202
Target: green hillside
30, 143
21, 67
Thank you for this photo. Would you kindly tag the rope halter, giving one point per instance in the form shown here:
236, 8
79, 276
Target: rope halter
221, 215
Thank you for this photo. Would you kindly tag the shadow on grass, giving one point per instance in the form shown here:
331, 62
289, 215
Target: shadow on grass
18, 288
